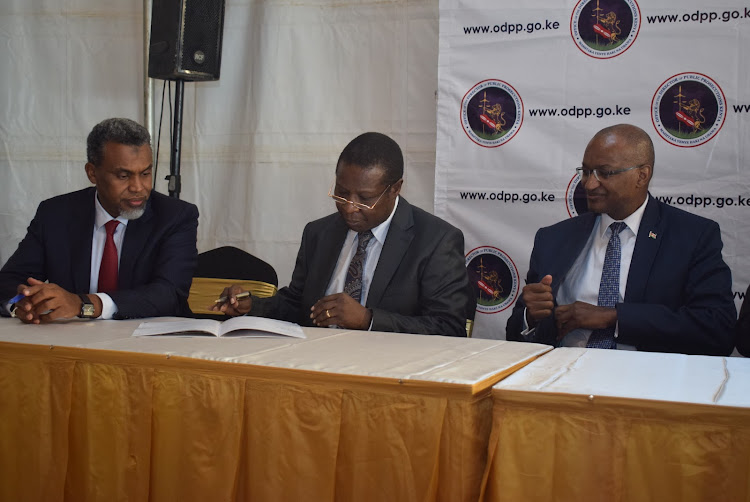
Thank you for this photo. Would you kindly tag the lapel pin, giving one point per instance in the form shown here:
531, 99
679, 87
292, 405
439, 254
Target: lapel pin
652, 235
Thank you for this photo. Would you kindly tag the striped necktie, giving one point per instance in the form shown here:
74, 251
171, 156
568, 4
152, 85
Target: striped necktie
354, 275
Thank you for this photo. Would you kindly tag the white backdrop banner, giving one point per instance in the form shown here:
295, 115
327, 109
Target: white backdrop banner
523, 88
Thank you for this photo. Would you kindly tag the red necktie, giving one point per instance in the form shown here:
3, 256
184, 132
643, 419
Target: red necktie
108, 268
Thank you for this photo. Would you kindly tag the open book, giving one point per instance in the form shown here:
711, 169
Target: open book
244, 326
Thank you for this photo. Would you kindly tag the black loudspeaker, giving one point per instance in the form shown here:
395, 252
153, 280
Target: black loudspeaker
186, 39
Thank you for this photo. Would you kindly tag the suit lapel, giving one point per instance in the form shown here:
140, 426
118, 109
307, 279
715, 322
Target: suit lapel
647, 244
137, 234
571, 247
326, 256
399, 237
80, 233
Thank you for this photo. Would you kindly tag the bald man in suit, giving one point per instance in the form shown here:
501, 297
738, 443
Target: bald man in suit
672, 290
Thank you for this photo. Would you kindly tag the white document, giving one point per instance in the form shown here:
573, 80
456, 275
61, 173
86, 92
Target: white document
243, 326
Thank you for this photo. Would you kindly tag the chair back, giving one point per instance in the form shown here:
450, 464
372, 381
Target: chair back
220, 268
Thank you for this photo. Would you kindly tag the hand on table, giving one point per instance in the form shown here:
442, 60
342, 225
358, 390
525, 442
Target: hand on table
46, 302
340, 310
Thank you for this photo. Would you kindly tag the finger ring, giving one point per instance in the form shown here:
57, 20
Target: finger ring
328, 313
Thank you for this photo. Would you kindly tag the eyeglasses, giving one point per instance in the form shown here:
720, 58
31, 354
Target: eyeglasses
358, 205
601, 175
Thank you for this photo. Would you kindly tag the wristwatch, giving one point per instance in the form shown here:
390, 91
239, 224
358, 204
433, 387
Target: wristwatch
87, 308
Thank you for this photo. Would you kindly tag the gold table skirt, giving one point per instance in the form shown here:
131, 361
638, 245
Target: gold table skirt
97, 425
561, 447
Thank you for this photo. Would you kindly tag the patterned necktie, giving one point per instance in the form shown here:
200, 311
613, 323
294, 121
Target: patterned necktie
353, 286
609, 288
108, 268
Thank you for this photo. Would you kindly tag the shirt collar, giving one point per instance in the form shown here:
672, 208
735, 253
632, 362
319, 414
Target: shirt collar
381, 231
102, 216
633, 222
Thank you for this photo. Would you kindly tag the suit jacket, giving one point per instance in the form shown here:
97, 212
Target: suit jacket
156, 262
678, 296
742, 331
420, 283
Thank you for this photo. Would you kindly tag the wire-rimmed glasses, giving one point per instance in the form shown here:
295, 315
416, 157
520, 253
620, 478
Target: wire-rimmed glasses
358, 205
601, 174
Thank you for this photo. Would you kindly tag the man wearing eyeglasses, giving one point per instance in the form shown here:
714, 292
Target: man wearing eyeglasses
633, 273
379, 263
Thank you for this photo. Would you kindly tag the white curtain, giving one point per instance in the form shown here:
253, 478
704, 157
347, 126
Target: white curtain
298, 82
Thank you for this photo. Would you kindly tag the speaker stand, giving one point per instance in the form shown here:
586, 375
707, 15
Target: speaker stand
174, 178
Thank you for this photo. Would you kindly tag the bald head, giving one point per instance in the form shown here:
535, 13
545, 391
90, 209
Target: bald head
640, 148
623, 158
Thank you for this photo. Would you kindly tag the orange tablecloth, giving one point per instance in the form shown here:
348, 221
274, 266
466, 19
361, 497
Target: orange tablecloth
81, 423
587, 424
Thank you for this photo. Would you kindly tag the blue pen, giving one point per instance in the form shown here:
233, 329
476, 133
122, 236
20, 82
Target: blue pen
17, 298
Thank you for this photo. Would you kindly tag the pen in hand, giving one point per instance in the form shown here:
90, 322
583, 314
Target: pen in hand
239, 296
17, 298
12, 303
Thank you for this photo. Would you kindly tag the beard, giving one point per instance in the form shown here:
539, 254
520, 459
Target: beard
132, 214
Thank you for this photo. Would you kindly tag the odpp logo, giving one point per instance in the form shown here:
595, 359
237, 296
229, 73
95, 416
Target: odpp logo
494, 278
575, 197
491, 113
688, 109
604, 29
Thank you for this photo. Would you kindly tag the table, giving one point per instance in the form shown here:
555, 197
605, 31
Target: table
89, 413
587, 424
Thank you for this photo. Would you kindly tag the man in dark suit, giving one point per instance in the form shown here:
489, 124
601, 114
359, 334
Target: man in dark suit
672, 292
379, 263
142, 267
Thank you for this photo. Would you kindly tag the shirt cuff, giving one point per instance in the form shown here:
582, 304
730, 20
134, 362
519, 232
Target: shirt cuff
109, 309
526, 330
